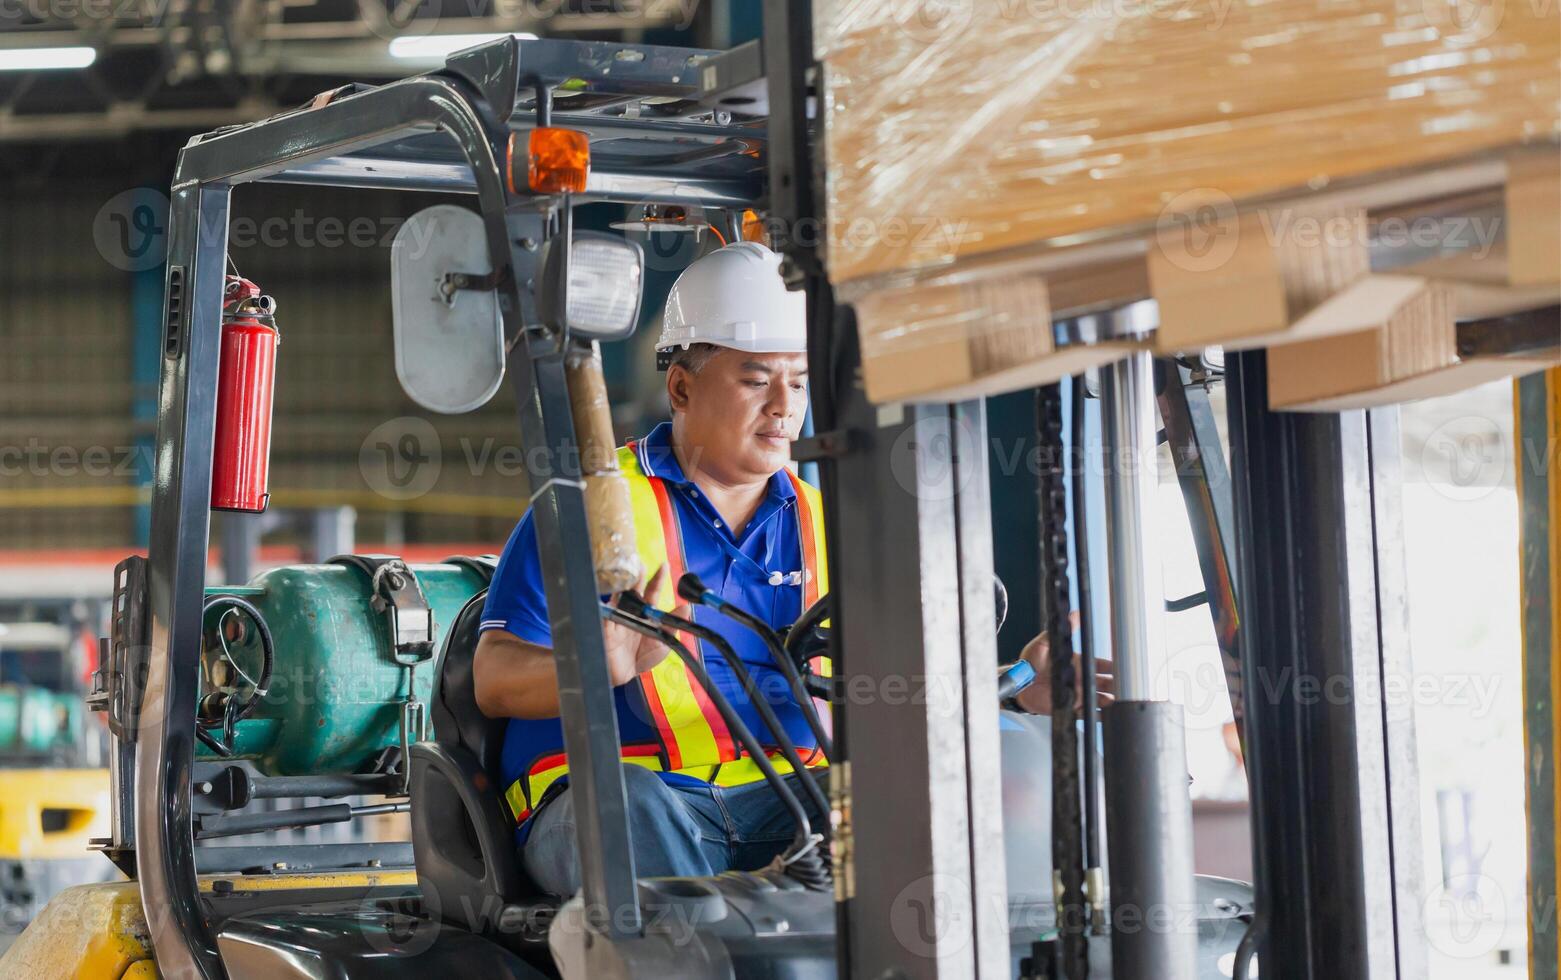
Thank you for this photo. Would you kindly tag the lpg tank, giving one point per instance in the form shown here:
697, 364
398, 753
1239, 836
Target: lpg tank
333, 701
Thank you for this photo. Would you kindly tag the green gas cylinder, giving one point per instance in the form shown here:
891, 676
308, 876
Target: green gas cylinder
335, 695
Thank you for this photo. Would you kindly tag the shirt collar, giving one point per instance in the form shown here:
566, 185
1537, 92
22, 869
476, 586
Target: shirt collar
657, 459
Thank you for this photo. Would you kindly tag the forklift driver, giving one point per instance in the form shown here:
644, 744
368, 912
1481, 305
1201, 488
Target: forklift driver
715, 481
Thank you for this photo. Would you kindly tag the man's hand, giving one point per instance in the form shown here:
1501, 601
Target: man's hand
516, 679
1037, 698
630, 654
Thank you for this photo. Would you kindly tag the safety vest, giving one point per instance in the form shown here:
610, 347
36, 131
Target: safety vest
692, 739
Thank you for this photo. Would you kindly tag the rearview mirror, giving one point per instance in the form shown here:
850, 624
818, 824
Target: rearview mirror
592, 288
448, 332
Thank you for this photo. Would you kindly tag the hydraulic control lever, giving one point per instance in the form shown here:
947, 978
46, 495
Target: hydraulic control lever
636, 606
691, 589
801, 860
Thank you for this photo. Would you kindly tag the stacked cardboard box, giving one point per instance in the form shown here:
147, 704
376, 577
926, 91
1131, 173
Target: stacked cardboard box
969, 135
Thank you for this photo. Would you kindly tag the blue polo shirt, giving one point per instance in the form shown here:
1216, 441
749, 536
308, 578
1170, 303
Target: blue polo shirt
738, 567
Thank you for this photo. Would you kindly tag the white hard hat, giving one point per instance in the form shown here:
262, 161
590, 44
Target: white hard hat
735, 297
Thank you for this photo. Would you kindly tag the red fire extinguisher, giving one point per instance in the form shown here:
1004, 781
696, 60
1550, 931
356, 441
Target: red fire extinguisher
246, 382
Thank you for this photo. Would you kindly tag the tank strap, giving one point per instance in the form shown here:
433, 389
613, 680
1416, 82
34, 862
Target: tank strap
398, 596
483, 565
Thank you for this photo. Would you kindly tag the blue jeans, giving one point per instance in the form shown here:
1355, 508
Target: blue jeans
675, 831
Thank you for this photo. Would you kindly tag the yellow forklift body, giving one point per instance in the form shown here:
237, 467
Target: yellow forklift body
99, 932
51, 813
89, 932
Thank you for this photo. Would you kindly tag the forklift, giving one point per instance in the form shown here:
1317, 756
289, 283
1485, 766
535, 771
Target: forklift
52, 781
218, 696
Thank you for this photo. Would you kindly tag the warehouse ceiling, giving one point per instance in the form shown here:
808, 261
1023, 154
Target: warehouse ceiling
170, 66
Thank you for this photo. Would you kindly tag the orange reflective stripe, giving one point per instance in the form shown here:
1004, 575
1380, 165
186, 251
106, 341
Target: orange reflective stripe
699, 733
809, 546
810, 528
651, 542
815, 560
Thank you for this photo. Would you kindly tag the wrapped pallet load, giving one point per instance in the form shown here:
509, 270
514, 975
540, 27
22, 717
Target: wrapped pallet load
993, 164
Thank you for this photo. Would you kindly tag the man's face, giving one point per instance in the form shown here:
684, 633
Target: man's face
741, 412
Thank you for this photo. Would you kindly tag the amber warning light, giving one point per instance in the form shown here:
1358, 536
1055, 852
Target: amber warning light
557, 161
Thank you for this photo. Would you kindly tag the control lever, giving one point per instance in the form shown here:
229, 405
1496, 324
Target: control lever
801, 860
636, 606
691, 589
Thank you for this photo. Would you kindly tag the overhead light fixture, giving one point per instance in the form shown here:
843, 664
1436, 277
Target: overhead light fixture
45, 59
437, 47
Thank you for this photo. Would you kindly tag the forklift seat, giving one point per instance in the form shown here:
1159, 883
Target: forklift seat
463, 838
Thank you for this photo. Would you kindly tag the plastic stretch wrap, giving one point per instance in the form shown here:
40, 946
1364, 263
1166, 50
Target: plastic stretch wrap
958, 128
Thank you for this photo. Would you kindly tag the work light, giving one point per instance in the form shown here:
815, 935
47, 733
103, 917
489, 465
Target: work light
596, 293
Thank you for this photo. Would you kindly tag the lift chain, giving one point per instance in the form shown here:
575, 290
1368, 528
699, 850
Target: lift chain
1067, 832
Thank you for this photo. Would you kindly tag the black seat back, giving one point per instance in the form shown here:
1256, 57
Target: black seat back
457, 719
463, 836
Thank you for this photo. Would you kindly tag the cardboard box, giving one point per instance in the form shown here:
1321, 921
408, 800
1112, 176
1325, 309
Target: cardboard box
1385, 340
1240, 282
981, 128
951, 342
